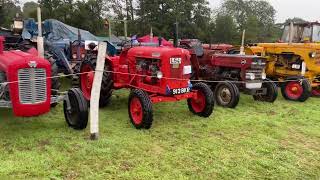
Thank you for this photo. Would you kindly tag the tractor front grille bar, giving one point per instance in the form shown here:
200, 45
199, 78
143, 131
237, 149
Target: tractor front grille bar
32, 85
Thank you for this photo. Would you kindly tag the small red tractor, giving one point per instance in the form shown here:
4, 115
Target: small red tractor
154, 74
226, 74
29, 85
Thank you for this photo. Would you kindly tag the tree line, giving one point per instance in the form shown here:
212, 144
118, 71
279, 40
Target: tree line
195, 17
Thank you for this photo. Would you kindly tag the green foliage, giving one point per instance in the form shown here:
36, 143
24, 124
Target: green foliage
258, 13
195, 17
82, 14
295, 20
8, 11
225, 30
30, 10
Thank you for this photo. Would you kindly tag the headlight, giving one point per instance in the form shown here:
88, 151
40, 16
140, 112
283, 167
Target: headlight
74, 56
312, 54
250, 76
83, 56
159, 75
187, 70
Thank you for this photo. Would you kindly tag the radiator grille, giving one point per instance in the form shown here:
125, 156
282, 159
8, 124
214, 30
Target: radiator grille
257, 73
32, 85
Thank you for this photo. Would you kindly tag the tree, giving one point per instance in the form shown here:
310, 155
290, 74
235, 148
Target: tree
252, 29
295, 20
8, 11
30, 10
225, 31
262, 10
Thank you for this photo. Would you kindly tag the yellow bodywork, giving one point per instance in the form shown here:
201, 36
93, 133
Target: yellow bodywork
278, 61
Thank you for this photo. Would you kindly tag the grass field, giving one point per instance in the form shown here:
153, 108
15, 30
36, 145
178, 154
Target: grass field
253, 141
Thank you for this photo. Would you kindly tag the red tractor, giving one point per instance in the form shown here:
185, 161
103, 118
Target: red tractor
238, 72
29, 85
154, 74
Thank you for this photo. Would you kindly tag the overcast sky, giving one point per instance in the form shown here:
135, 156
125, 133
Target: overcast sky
306, 9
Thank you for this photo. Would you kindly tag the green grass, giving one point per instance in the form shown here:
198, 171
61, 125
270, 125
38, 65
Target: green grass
253, 141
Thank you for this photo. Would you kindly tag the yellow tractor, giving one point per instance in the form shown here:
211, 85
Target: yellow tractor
295, 60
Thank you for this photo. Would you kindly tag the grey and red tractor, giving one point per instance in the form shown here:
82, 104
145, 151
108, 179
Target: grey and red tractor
228, 74
30, 87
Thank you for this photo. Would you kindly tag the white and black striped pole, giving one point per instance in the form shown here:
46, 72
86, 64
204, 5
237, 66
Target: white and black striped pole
95, 92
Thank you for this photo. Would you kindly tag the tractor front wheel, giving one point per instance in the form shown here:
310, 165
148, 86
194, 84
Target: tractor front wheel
75, 109
271, 94
227, 94
203, 104
296, 89
140, 109
87, 69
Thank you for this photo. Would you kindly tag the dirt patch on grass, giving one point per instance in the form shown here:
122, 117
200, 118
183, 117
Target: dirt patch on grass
43, 143
298, 139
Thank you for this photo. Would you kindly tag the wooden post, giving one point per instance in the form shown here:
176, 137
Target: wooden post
110, 33
40, 41
95, 92
125, 30
242, 43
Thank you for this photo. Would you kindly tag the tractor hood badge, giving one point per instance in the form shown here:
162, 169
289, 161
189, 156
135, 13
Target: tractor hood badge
243, 62
32, 64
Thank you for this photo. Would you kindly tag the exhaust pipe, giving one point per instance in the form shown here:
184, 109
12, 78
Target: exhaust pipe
176, 34
242, 52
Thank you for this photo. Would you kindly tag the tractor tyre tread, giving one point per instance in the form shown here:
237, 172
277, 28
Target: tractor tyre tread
82, 116
235, 93
209, 98
272, 92
106, 84
146, 106
305, 85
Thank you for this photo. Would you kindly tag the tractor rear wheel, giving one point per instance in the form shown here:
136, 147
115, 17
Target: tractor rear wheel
140, 109
296, 89
203, 104
227, 94
271, 94
87, 69
75, 109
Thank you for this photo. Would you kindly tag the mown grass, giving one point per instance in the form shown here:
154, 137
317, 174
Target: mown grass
253, 141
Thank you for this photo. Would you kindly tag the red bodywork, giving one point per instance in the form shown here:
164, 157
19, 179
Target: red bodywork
154, 39
10, 63
223, 48
214, 64
131, 71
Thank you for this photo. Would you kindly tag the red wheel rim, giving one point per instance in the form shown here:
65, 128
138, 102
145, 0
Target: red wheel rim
294, 90
136, 110
198, 104
86, 80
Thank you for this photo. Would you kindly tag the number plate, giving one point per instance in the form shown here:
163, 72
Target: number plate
175, 61
180, 91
